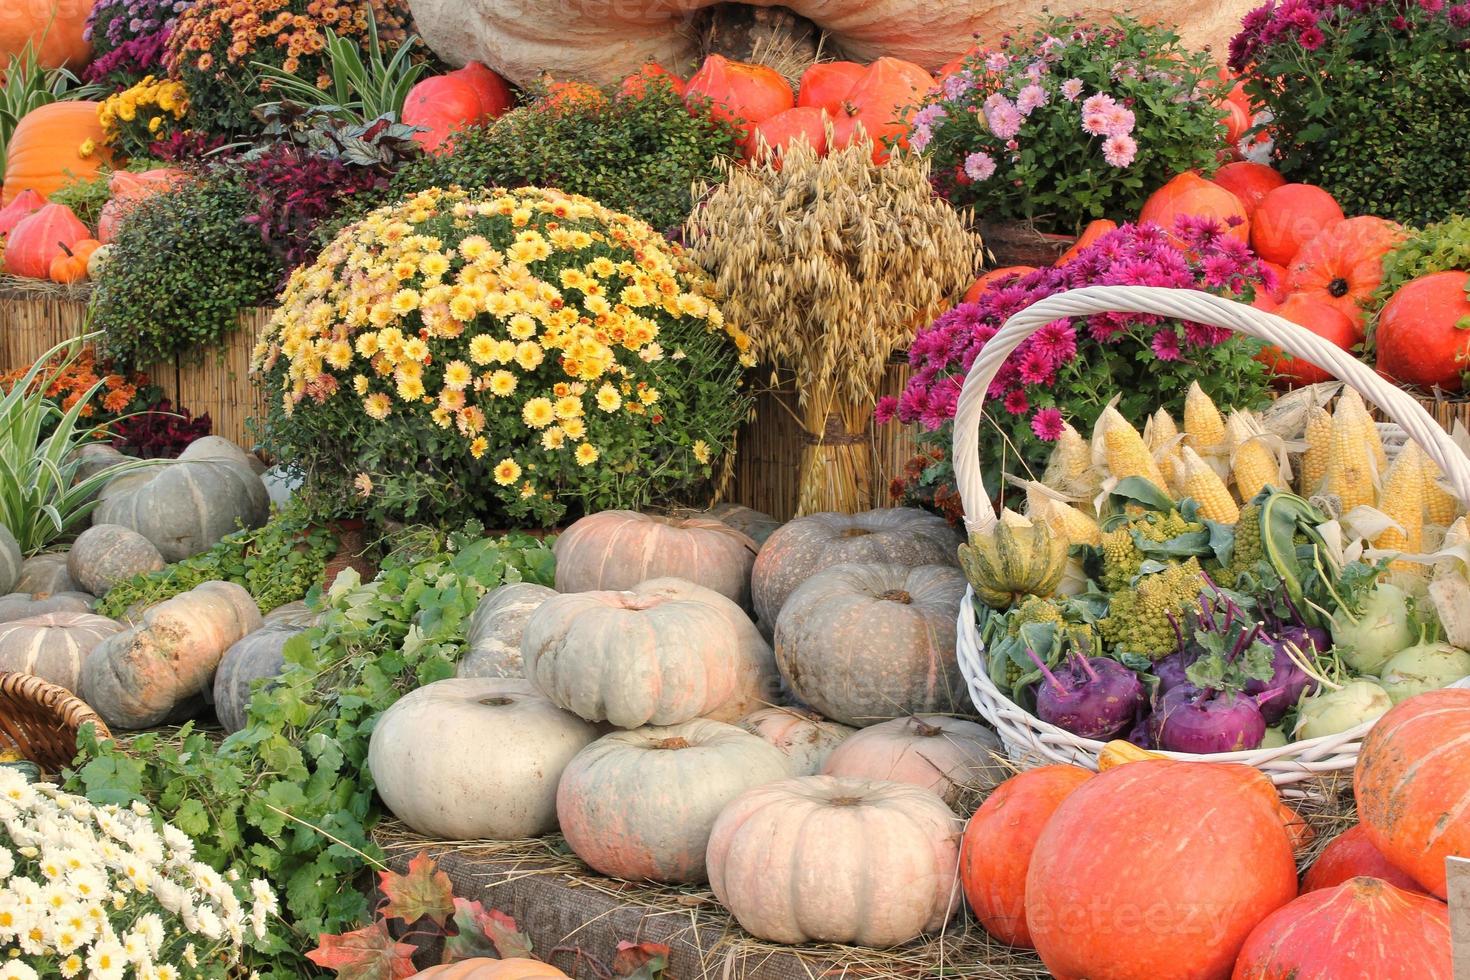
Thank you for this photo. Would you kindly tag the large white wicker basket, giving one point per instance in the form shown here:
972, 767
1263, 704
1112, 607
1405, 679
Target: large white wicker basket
1028, 739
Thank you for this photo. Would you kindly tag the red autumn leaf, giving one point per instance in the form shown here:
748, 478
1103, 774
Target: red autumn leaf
640, 961
369, 953
424, 891
484, 933
509, 941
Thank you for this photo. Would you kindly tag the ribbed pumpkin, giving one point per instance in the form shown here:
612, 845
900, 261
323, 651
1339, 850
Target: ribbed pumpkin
771, 137
1323, 319
865, 643
39, 238
617, 549
663, 653
441, 104
484, 968
805, 546
1412, 783
881, 101
25, 204
1014, 559
1127, 867
1352, 855
105, 554
1290, 216
996, 851
186, 506
53, 27
45, 148
1248, 181
1420, 341
1343, 264
21, 605
53, 646
293, 614
128, 189
10, 560
475, 758
46, 574
804, 737
494, 632
1090, 235
159, 668
752, 523
1364, 928
946, 756
825, 84
1190, 194
641, 804
257, 655
822, 859
736, 90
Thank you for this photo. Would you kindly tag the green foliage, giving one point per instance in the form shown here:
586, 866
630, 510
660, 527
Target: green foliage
636, 153
277, 564
290, 796
25, 85
183, 265
1439, 247
86, 196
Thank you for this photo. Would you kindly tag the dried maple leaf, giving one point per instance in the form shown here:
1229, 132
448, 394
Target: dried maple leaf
484, 933
369, 953
424, 891
640, 961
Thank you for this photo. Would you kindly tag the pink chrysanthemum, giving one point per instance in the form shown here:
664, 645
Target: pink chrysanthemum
1047, 424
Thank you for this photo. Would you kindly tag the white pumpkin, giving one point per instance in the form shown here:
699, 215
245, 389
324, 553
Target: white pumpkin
946, 756
804, 737
475, 758
822, 859
45, 574
105, 554
10, 559
494, 632
53, 646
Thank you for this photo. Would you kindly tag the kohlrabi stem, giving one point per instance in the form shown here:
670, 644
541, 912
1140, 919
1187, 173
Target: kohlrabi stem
1061, 688
1243, 642
1087, 667
1178, 630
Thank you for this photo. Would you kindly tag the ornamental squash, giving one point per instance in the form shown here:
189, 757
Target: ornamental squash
52, 145
1412, 783
1289, 217
1127, 880
10, 559
1343, 264
54, 28
999, 839
652, 73
1364, 927
186, 506
830, 860
53, 646
257, 655
485, 968
22, 605
475, 758
805, 546
1352, 855
441, 104
617, 549
41, 238
946, 756
493, 634
865, 643
105, 554
737, 91
641, 804
26, 203
159, 668
1014, 559
46, 574
804, 737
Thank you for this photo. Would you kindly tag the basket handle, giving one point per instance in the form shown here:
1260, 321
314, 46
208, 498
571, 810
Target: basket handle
1198, 307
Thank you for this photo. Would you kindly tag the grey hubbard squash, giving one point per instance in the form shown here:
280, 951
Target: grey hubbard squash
53, 646
186, 506
640, 804
617, 549
475, 758
294, 614
807, 545
45, 574
105, 554
865, 643
23, 605
161, 667
758, 525
257, 655
495, 630
1016, 558
803, 736
10, 559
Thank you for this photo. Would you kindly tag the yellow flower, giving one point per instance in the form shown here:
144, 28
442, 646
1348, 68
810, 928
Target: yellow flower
701, 451
482, 349
410, 389
434, 264
574, 428
553, 438
499, 304
502, 383
538, 413
380, 315
473, 247
457, 375
339, 354
527, 490
364, 485
409, 371
522, 327
477, 449
568, 407
587, 454
572, 278
648, 396
451, 400
507, 471
603, 266
463, 307
529, 355
360, 384
88, 147
377, 405
608, 398
404, 301
155, 124
416, 350
441, 417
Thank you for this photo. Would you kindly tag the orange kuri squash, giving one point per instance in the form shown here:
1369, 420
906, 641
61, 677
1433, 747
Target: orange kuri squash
54, 144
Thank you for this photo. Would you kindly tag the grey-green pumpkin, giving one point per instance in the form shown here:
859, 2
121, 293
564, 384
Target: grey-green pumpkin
186, 506
23, 605
495, 629
105, 554
53, 646
258, 655
45, 574
10, 560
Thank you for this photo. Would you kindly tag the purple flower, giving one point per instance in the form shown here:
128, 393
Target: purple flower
957, 85
1311, 38
885, 410
1037, 367
919, 138
1047, 424
979, 166
1016, 402
1165, 345
997, 61
1459, 15
1119, 150
1058, 339
1071, 88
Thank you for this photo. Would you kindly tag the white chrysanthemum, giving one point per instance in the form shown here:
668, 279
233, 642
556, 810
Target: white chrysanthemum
150, 927
178, 842
209, 923
140, 808
7, 863
107, 960
17, 971
191, 958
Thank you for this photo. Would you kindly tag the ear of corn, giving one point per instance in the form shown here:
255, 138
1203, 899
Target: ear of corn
1403, 500
1203, 484
1124, 451
1440, 506
1352, 469
1254, 463
1204, 427
1319, 441
1161, 436
1069, 523
1069, 468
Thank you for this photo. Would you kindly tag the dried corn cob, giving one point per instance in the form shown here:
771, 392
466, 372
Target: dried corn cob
1253, 462
1161, 436
1063, 520
1403, 501
1203, 484
1069, 463
1204, 428
1319, 441
1124, 451
1351, 473
1440, 506
1351, 402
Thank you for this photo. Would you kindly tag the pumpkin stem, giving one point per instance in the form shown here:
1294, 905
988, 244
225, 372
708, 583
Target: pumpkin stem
677, 742
496, 702
845, 801
855, 532
1338, 287
69, 253
925, 730
897, 595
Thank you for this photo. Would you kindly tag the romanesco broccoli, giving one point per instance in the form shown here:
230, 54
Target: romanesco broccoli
1248, 548
1138, 618
1033, 609
1120, 555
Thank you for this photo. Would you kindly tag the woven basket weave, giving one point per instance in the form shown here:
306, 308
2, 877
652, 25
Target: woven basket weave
1030, 740
40, 720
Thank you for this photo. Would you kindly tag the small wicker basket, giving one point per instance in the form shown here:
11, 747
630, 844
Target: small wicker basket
40, 720
1030, 740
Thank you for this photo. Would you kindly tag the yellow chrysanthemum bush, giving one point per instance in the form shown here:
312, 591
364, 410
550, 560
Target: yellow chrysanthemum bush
510, 356
136, 117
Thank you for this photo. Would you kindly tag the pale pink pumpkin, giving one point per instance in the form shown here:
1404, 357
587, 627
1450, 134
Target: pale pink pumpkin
803, 736
946, 756
823, 859
53, 646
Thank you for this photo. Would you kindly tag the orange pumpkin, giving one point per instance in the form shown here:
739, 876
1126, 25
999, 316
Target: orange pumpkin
985, 281
1352, 855
1364, 927
45, 149
1289, 217
804, 124
826, 84
996, 849
1248, 181
1093, 231
26, 203
53, 27
1320, 318
1343, 265
40, 238
881, 101
443, 103
67, 268
1191, 194
1419, 336
1279, 294
736, 90
485, 968
1124, 871
566, 96
84, 248
1412, 783
637, 83
126, 189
